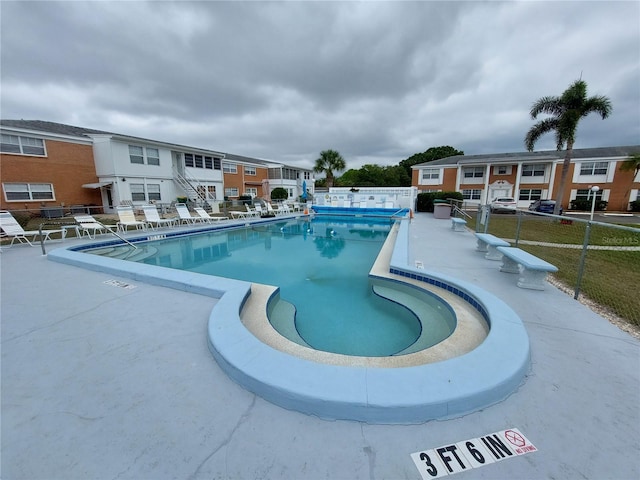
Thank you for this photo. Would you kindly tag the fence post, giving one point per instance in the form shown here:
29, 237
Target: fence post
583, 257
520, 215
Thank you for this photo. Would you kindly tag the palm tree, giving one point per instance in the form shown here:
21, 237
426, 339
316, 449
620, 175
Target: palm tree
329, 161
631, 164
566, 111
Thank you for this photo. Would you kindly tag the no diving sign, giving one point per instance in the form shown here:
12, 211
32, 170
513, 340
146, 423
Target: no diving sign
474, 453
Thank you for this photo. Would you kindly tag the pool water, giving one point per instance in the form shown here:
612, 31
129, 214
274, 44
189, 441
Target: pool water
321, 267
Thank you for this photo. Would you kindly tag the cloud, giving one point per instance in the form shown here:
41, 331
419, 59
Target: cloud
377, 81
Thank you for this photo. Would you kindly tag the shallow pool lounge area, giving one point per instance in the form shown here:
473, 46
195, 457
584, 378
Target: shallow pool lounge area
436, 383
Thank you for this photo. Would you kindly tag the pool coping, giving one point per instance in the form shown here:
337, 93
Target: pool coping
415, 394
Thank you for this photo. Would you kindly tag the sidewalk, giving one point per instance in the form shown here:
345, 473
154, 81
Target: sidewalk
115, 380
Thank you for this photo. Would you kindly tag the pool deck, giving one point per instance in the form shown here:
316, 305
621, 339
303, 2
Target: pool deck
115, 380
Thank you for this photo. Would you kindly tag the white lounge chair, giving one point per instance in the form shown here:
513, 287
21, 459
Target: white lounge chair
274, 211
208, 218
88, 225
128, 219
238, 214
12, 229
252, 213
153, 217
185, 215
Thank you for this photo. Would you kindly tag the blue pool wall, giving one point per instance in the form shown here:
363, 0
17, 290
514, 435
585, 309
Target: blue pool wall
407, 395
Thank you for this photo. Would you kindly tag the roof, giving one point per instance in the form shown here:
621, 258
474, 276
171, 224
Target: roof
51, 127
70, 130
543, 156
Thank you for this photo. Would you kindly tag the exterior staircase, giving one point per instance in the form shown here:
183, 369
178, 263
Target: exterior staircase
190, 185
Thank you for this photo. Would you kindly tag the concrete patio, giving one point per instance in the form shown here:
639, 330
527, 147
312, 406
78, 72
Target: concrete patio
106, 378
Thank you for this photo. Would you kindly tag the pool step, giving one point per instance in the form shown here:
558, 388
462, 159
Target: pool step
125, 253
282, 315
434, 329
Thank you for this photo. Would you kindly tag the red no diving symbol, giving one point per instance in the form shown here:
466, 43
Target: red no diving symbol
515, 438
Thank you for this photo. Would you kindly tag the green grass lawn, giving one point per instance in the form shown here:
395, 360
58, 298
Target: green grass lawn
610, 277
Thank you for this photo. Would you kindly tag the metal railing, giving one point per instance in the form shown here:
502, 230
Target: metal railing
73, 224
597, 261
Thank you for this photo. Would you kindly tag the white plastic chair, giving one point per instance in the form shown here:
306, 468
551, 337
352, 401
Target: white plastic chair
12, 229
88, 225
128, 219
185, 215
206, 217
153, 217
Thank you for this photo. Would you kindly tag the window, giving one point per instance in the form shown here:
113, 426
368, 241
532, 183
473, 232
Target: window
28, 191
533, 171
153, 191
287, 173
531, 194
473, 172
201, 161
252, 191
593, 168
502, 169
250, 170
229, 168
136, 154
474, 194
153, 156
307, 175
24, 145
431, 174
137, 192
211, 191
586, 194
231, 192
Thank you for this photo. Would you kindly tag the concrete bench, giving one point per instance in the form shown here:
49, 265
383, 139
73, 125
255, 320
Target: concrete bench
458, 224
533, 270
488, 243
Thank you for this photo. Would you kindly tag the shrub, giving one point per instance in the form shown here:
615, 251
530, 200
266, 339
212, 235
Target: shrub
279, 193
635, 206
585, 205
425, 200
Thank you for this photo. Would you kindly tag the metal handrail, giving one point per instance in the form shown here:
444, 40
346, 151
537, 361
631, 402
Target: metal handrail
61, 224
457, 210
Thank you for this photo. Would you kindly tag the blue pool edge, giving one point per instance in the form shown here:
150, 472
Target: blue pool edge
405, 395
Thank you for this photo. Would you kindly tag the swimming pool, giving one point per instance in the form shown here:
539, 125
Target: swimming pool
327, 300
437, 383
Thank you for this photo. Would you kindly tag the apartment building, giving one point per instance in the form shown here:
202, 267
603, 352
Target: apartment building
530, 176
46, 164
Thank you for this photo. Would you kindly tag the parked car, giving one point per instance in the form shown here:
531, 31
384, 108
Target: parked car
544, 206
504, 204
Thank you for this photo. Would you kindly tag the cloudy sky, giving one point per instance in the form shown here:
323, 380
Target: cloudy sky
377, 81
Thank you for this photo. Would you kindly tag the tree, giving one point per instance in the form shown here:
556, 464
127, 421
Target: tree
566, 112
329, 162
429, 155
279, 193
631, 164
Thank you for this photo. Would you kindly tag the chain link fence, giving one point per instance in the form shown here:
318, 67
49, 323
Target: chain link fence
597, 262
